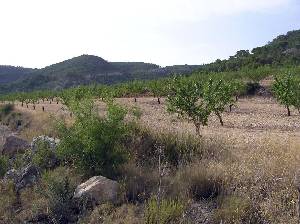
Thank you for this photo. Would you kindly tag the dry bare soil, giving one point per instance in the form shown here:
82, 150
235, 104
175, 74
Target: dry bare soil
251, 121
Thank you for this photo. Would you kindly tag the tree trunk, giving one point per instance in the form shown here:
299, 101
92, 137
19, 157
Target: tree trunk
236, 98
158, 100
230, 107
220, 118
197, 126
288, 109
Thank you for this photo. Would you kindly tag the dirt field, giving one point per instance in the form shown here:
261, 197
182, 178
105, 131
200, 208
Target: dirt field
252, 120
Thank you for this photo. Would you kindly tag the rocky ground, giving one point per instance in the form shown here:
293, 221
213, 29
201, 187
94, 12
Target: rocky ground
4, 132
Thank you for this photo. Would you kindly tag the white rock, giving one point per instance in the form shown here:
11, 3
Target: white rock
99, 189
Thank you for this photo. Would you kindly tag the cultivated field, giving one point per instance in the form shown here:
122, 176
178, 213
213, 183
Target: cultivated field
252, 120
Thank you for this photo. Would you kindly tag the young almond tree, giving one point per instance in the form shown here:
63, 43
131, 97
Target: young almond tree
283, 89
218, 95
157, 87
296, 90
185, 99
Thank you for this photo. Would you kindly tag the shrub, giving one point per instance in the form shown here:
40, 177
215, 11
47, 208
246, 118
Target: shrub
8, 203
197, 182
164, 212
251, 88
178, 150
3, 166
44, 157
138, 182
93, 144
57, 187
5, 110
236, 210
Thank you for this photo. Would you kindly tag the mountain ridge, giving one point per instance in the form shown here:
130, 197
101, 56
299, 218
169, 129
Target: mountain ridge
87, 69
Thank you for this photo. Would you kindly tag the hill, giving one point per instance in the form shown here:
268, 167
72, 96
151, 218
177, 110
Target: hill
84, 70
284, 50
11, 73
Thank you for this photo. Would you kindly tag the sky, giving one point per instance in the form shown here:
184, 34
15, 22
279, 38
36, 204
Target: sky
37, 33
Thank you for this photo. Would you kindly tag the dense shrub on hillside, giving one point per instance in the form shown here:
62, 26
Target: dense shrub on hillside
57, 189
44, 157
6, 109
93, 143
3, 165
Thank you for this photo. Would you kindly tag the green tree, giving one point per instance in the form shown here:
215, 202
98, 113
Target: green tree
218, 94
296, 95
185, 100
284, 90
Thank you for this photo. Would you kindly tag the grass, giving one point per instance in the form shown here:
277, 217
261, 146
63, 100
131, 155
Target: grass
252, 183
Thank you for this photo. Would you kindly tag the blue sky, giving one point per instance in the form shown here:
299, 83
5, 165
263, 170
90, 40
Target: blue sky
37, 33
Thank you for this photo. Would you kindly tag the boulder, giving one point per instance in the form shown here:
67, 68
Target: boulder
14, 145
26, 177
98, 189
51, 142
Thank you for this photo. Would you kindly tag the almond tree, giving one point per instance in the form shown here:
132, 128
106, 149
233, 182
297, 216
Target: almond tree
185, 99
283, 89
218, 95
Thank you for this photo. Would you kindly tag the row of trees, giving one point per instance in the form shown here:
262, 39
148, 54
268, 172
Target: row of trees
156, 88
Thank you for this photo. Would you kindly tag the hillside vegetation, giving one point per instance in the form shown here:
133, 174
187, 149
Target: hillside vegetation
283, 51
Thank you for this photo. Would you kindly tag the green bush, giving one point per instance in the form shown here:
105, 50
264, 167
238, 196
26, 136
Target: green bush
57, 187
93, 144
3, 166
44, 157
164, 212
251, 88
6, 109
